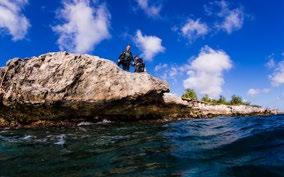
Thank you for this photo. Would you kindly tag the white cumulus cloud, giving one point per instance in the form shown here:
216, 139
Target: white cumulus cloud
150, 10
149, 45
270, 63
277, 77
84, 26
194, 29
178, 70
205, 73
233, 19
254, 92
12, 18
171, 72
160, 67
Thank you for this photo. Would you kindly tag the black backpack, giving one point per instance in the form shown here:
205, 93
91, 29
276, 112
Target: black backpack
139, 65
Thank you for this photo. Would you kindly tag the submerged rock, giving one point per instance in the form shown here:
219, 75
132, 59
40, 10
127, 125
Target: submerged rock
62, 86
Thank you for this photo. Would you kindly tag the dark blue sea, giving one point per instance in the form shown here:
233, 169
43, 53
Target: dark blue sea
219, 147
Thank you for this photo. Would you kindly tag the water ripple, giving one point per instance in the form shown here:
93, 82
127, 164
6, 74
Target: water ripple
250, 146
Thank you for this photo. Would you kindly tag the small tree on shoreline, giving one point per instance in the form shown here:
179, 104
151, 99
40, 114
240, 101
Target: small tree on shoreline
190, 94
222, 100
206, 98
236, 100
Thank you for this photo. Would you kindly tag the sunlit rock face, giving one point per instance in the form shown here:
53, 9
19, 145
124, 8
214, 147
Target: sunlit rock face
61, 87
62, 84
231, 110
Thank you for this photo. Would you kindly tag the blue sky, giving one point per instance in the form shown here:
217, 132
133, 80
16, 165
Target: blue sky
215, 47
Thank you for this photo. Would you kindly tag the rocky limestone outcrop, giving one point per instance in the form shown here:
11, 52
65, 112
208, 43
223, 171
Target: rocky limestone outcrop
209, 110
170, 98
62, 86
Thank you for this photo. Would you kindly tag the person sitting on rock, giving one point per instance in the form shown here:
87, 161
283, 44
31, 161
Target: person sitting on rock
139, 65
125, 58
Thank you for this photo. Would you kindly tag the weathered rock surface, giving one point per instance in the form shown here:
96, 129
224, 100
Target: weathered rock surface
215, 110
62, 86
170, 98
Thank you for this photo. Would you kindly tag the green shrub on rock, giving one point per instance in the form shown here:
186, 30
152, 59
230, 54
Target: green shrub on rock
190, 94
236, 100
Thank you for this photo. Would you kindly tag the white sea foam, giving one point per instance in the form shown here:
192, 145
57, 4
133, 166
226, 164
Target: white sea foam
27, 137
84, 123
105, 121
42, 140
60, 139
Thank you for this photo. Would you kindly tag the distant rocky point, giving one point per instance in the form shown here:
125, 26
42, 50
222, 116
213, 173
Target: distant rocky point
61, 88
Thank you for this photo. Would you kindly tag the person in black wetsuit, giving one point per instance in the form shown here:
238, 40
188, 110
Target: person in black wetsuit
139, 65
125, 58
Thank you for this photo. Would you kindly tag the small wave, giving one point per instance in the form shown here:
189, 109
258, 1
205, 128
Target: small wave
4, 131
105, 121
27, 137
60, 139
84, 123
42, 140
251, 142
3, 138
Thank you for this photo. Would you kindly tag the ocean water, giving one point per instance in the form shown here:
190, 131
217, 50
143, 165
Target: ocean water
221, 147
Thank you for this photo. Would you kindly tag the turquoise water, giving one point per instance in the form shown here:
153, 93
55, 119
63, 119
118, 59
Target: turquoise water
220, 147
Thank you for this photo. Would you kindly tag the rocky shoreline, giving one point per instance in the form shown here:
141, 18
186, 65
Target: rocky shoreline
61, 88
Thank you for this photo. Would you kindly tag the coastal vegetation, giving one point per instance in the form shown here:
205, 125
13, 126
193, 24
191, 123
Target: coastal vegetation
190, 94
235, 99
